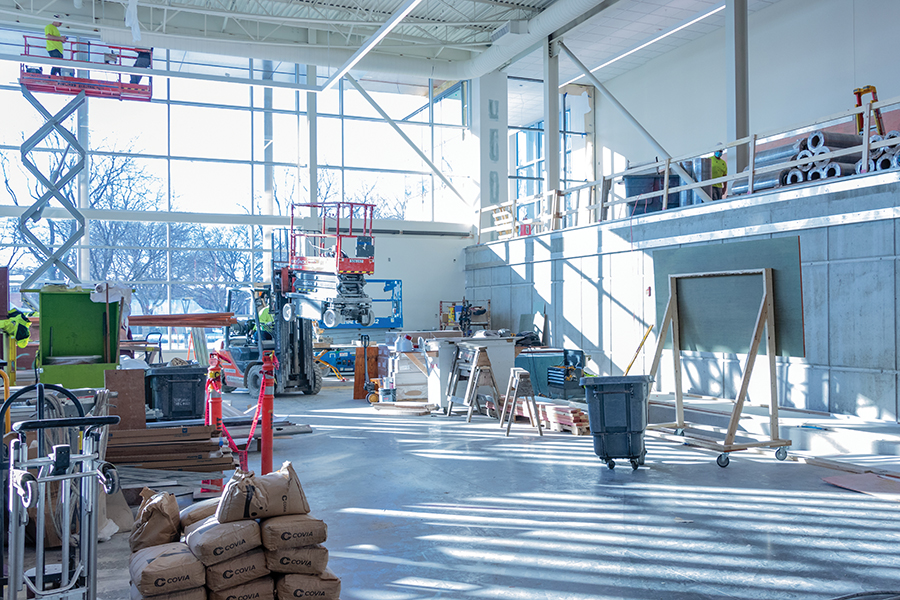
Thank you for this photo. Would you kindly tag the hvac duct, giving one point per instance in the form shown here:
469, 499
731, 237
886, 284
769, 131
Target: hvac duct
795, 176
804, 154
818, 139
761, 182
559, 14
775, 155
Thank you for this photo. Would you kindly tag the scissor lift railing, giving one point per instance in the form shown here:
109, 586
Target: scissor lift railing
324, 251
82, 55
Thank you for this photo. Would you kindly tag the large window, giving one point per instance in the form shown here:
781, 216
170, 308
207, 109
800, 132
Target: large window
184, 180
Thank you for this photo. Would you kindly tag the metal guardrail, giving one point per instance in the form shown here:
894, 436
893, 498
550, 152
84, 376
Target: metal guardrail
594, 201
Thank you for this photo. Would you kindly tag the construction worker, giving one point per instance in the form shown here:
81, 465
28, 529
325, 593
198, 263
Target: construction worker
54, 42
718, 168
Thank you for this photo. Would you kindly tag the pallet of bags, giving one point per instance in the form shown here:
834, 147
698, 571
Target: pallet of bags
235, 547
161, 566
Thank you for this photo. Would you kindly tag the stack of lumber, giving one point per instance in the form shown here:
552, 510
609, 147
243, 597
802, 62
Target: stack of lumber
187, 320
189, 448
555, 417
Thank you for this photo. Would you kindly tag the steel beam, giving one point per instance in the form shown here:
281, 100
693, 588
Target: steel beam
738, 83
551, 117
630, 118
405, 137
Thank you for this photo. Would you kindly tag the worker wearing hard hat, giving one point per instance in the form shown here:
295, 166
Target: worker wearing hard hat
54, 42
718, 168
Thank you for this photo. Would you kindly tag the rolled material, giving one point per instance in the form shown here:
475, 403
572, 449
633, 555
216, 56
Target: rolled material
838, 169
802, 155
795, 176
761, 182
895, 159
884, 162
825, 150
775, 155
818, 139
892, 134
816, 174
859, 166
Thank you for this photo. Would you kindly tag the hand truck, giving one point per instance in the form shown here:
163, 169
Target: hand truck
82, 473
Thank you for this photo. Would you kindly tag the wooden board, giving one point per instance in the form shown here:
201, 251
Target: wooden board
130, 402
886, 488
359, 371
160, 435
705, 324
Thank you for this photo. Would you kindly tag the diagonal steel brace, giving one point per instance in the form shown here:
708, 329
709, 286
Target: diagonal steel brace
54, 184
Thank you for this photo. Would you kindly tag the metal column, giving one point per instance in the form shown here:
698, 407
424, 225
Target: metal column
738, 83
551, 117
55, 182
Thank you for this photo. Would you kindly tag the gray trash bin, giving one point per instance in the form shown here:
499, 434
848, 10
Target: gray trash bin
617, 412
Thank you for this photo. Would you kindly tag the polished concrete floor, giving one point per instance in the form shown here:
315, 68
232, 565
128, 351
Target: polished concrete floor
432, 507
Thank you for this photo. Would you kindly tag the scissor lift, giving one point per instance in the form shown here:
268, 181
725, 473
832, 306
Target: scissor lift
324, 274
82, 55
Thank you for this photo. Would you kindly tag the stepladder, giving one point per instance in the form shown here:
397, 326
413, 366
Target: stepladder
520, 388
472, 366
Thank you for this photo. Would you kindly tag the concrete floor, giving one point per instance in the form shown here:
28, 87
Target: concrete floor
433, 507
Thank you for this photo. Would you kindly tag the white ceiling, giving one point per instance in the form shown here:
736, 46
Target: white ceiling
437, 37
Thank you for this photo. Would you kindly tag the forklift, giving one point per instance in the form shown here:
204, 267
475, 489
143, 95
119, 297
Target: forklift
267, 327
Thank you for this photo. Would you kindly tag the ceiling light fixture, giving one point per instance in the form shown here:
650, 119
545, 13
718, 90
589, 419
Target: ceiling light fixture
662, 36
379, 35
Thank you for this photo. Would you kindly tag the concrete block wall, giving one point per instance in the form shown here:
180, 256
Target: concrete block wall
596, 285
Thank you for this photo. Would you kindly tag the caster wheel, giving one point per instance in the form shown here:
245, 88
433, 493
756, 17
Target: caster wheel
722, 460
781, 453
635, 464
611, 464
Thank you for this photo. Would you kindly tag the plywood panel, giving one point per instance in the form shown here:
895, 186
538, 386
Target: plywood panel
717, 314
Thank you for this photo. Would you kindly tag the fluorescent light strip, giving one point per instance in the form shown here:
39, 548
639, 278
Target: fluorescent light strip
653, 41
379, 35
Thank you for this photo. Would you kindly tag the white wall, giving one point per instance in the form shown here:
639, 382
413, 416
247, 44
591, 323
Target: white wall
806, 58
431, 268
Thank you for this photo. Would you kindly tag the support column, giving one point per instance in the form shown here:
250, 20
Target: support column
551, 117
84, 177
490, 126
312, 128
737, 83
268, 201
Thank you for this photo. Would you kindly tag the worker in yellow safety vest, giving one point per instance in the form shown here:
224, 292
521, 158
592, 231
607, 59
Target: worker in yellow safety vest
718, 168
16, 326
54, 42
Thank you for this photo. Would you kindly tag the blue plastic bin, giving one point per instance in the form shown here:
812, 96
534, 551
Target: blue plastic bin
617, 412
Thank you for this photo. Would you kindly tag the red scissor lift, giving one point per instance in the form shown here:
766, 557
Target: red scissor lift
82, 55
325, 271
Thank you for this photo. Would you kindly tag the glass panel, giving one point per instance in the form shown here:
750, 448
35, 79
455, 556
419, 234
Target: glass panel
127, 126
399, 106
451, 150
210, 132
392, 151
448, 206
395, 195
329, 141
123, 182
450, 104
206, 187
285, 132
149, 299
282, 98
285, 189
330, 185
328, 103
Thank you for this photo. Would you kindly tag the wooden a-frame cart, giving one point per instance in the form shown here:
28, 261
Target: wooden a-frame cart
765, 320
